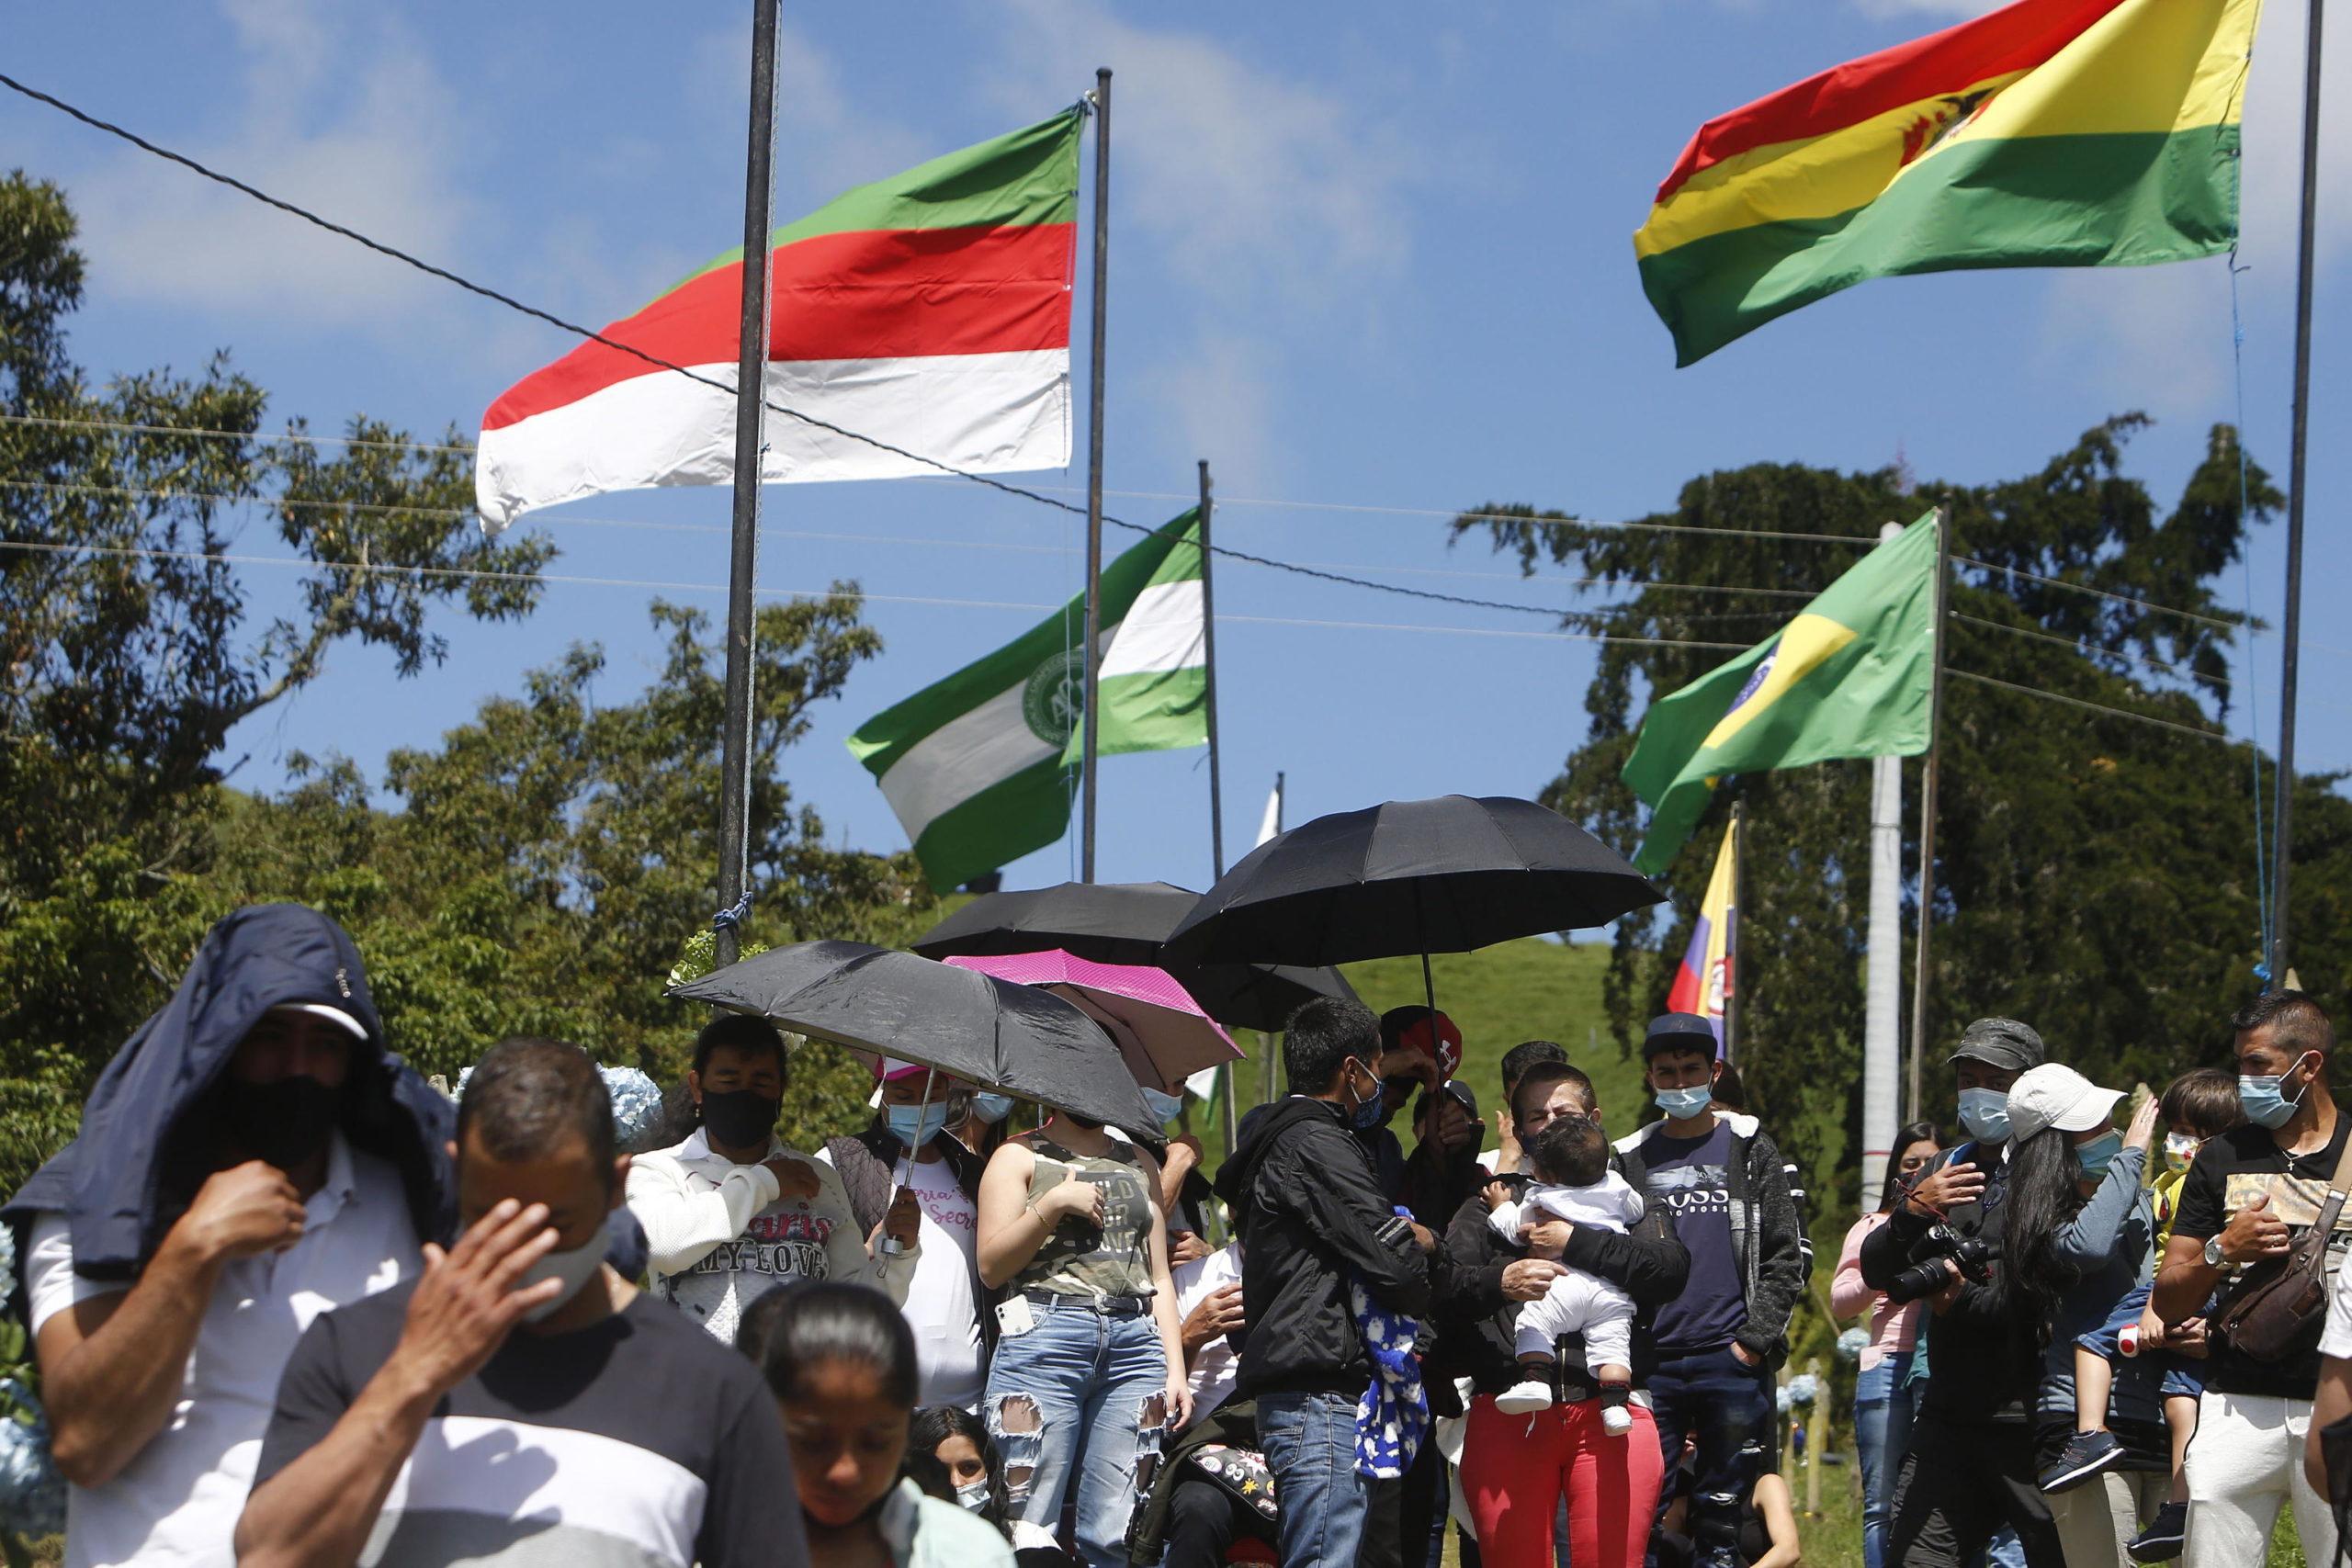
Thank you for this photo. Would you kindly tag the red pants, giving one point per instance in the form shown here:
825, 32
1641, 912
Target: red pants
1516, 1467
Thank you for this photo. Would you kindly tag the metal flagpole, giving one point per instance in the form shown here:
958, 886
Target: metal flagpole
1217, 790
1732, 957
1208, 655
1928, 813
1094, 466
743, 555
2292, 625
1882, 992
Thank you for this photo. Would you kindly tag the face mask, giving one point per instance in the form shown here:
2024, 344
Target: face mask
2096, 1155
1364, 1115
575, 1269
973, 1495
281, 1123
915, 1125
1164, 1106
1684, 1102
992, 1108
2180, 1150
1986, 1113
2265, 1105
740, 1118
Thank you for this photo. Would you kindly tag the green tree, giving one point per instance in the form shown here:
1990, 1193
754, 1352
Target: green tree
127, 652
2097, 873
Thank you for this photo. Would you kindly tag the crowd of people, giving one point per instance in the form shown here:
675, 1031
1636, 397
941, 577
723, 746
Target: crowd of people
291, 1305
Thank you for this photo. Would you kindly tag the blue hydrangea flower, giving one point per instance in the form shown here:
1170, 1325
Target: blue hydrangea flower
1853, 1342
32, 1494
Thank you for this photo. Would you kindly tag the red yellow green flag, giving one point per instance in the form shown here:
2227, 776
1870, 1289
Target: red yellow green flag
2047, 133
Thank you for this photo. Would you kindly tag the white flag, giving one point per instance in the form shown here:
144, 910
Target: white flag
1272, 823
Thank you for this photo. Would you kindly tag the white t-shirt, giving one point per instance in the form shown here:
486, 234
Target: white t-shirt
1216, 1368
939, 1306
2335, 1339
177, 1501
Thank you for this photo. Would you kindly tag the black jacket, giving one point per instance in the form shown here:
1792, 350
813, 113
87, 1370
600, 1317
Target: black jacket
1980, 1368
141, 1152
1476, 1323
1310, 1213
1767, 1229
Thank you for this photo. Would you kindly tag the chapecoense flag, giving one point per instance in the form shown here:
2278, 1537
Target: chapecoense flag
978, 766
2048, 133
929, 310
1852, 675
1710, 964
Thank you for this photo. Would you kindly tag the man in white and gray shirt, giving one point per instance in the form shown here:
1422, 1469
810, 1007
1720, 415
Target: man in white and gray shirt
730, 1213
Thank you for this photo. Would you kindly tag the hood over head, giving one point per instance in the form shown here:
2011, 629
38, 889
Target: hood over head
116, 1183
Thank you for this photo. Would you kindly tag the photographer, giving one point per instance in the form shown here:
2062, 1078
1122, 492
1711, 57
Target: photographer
1971, 1466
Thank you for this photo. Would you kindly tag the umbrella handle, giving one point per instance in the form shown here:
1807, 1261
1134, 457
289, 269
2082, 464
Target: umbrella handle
891, 1245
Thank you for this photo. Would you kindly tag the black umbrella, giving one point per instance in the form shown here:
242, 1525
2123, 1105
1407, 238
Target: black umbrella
1018, 1039
1445, 875
1128, 922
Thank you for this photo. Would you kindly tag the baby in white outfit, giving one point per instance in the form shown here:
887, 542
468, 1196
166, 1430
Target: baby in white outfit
1574, 1183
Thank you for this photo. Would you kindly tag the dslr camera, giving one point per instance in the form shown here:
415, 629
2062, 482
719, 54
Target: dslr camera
1973, 1256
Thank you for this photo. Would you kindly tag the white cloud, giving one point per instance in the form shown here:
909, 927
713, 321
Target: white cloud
349, 119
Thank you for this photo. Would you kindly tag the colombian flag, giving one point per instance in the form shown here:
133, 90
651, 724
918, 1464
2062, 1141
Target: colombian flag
1704, 984
1851, 676
2048, 133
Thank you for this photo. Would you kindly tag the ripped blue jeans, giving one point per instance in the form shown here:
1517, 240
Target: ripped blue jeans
1082, 1394
1711, 1399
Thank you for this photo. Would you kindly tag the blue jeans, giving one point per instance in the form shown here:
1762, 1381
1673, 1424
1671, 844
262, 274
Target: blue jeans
1080, 1382
1310, 1445
1882, 1405
1712, 1397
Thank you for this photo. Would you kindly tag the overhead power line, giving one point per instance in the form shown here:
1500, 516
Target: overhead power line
2096, 593
2095, 707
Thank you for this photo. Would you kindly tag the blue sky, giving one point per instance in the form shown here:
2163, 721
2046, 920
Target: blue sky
1371, 260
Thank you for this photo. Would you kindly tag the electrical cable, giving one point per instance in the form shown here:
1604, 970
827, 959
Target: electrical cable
2095, 707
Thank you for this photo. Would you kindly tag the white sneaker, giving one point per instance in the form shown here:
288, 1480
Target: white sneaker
1615, 1419
1524, 1399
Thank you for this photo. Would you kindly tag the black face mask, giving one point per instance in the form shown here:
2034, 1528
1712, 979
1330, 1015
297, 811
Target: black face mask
740, 1118
284, 1123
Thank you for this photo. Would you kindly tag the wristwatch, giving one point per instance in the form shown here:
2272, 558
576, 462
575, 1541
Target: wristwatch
2213, 1252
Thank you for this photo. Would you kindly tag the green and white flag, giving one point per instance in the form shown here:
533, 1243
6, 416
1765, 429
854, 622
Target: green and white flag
979, 766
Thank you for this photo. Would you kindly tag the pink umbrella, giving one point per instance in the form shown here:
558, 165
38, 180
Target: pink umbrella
1161, 1029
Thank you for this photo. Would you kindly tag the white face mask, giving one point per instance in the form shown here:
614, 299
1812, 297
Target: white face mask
575, 1269
973, 1495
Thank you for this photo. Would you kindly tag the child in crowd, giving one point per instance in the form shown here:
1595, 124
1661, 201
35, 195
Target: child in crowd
1574, 1183
2197, 1106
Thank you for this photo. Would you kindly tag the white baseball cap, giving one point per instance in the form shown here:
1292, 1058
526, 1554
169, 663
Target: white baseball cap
2055, 1095
332, 1014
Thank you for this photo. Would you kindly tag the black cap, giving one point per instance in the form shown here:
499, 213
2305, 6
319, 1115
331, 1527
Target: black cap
2002, 1042
1680, 1031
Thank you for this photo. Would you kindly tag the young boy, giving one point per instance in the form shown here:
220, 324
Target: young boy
1574, 1183
2197, 1106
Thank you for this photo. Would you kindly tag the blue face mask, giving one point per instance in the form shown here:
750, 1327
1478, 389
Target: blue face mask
992, 1108
1164, 1106
1986, 1113
2096, 1155
2264, 1103
1365, 1114
1685, 1102
915, 1125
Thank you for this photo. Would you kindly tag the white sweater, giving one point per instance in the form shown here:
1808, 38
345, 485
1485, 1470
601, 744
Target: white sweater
720, 1236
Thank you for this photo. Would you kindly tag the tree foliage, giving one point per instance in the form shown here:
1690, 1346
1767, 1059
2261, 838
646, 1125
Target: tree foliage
2096, 875
540, 868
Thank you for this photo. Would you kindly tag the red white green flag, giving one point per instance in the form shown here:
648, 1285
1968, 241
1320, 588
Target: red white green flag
929, 311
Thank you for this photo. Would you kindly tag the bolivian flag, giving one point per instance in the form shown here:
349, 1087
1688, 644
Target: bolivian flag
2048, 133
1852, 676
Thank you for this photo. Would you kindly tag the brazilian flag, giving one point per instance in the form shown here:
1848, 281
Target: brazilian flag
1852, 676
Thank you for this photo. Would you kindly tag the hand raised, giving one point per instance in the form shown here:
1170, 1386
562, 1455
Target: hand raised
2142, 1132
903, 1224
1942, 1191
243, 1212
2255, 1233
1072, 1196
466, 1301
794, 1178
